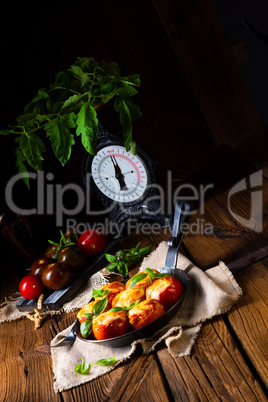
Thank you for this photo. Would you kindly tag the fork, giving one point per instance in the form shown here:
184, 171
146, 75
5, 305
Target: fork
68, 340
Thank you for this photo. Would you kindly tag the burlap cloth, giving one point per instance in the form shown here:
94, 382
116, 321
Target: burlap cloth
211, 293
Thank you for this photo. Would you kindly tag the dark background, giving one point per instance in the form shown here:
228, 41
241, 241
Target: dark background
193, 95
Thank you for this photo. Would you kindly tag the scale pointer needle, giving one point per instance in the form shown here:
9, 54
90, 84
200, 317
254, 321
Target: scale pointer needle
118, 174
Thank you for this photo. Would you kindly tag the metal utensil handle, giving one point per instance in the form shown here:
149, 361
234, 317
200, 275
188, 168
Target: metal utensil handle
181, 216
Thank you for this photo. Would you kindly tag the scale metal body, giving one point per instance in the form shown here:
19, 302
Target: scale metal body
125, 184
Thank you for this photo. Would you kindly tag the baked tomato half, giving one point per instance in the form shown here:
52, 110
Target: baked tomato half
167, 291
92, 242
144, 281
110, 325
128, 296
145, 312
88, 309
31, 287
111, 290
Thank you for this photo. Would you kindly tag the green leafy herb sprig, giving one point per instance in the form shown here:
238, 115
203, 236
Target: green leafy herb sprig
98, 308
139, 277
68, 107
84, 368
124, 258
64, 242
125, 308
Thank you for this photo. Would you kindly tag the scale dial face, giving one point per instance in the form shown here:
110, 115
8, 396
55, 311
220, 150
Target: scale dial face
118, 174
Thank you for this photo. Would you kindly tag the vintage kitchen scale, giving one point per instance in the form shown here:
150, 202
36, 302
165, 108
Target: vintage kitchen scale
126, 186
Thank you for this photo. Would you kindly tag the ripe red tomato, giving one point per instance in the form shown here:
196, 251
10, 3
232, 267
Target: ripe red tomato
38, 265
55, 276
92, 242
145, 312
166, 290
72, 257
110, 325
31, 287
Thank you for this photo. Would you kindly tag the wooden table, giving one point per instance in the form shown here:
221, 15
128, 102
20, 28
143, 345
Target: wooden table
229, 359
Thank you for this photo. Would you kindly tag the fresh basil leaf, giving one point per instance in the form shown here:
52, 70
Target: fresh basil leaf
149, 271
32, 148
121, 253
122, 268
82, 368
106, 362
100, 306
86, 328
99, 292
58, 131
112, 267
153, 274
88, 315
110, 258
145, 251
132, 258
117, 308
133, 304
136, 279
87, 127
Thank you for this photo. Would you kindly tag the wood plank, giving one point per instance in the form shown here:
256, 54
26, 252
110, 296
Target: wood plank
25, 363
216, 370
141, 379
249, 317
200, 45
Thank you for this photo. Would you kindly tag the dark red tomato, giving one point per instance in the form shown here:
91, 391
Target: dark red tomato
51, 251
38, 265
55, 276
72, 257
92, 242
110, 325
31, 287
